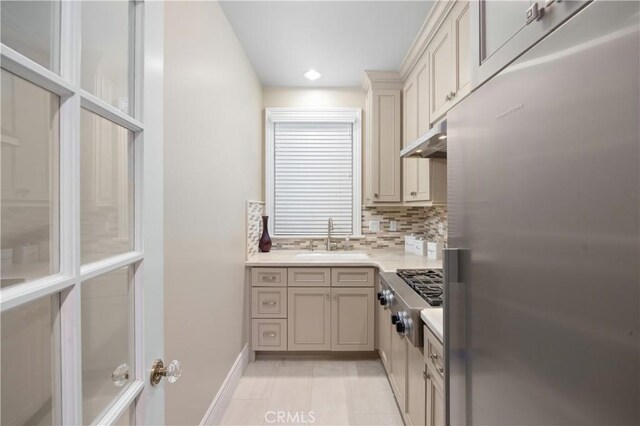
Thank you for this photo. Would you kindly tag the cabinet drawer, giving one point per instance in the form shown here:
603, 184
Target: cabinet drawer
352, 277
269, 334
269, 302
309, 277
433, 352
269, 277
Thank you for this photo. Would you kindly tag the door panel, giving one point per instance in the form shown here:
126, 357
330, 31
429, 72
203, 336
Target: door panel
416, 386
460, 22
410, 165
73, 324
399, 368
309, 319
352, 319
442, 72
385, 145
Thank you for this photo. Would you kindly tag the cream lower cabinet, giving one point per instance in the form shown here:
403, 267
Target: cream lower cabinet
434, 399
415, 410
313, 309
434, 378
384, 336
337, 319
352, 319
309, 319
398, 375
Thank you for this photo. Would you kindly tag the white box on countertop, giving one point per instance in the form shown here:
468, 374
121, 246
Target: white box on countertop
434, 250
420, 246
409, 243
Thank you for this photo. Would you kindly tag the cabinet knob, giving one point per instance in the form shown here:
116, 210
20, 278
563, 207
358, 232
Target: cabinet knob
447, 98
376, 195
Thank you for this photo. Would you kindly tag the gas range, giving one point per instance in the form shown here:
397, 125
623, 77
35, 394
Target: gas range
426, 282
408, 292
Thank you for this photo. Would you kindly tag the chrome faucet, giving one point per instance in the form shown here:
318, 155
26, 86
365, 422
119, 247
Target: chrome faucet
330, 245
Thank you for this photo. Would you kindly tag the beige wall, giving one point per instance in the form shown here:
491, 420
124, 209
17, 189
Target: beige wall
347, 97
213, 135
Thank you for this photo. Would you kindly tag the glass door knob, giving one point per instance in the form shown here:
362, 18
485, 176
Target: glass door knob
120, 375
172, 372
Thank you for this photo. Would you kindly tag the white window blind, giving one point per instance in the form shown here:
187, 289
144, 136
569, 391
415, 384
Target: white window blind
313, 178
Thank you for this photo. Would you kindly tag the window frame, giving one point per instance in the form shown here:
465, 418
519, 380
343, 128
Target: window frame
326, 115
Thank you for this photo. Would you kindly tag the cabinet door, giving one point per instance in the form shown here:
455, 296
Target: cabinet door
309, 319
385, 145
416, 387
398, 376
435, 400
410, 165
384, 336
460, 21
441, 71
499, 32
352, 319
422, 176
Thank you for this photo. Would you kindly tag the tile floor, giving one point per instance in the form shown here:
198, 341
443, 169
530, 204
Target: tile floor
318, 392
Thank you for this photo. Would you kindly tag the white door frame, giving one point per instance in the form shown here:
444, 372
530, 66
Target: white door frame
147, 255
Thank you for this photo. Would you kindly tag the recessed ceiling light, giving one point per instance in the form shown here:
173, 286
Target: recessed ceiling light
442, 137
419, 151
312, 75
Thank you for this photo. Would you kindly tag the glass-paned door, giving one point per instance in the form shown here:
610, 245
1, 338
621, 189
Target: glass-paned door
79, 327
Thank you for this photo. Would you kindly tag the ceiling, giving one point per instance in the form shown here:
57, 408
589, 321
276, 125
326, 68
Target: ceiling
340, 39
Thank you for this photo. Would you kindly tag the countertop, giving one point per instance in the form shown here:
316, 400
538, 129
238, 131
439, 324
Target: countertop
387, 260
434, 319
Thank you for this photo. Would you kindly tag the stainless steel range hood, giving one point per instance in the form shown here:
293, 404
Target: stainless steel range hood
432, 144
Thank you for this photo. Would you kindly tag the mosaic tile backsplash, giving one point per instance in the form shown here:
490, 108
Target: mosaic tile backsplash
428, 221
254, 226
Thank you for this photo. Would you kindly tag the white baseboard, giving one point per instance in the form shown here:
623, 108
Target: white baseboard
218, 406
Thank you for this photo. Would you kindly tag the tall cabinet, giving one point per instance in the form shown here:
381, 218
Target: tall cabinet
382, 177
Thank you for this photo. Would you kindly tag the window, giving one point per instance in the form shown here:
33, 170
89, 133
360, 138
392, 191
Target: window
313, 162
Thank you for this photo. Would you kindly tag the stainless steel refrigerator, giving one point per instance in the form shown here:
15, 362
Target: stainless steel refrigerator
542, 310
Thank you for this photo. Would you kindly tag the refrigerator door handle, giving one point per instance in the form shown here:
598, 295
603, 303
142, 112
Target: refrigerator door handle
455, 336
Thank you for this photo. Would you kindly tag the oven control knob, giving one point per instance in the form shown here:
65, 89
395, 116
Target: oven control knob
400, 327
394, 318
388, 297
379, 295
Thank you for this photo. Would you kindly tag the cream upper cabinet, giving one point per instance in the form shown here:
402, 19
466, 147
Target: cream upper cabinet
499, 32
459, 17
352, 319
382, 170
442, 69
416, 408
449, 61
416, 182
309, 319
410, 130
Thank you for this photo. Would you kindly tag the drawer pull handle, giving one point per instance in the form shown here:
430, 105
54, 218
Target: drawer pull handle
269, 278
270, 334
269, 303
434, 357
